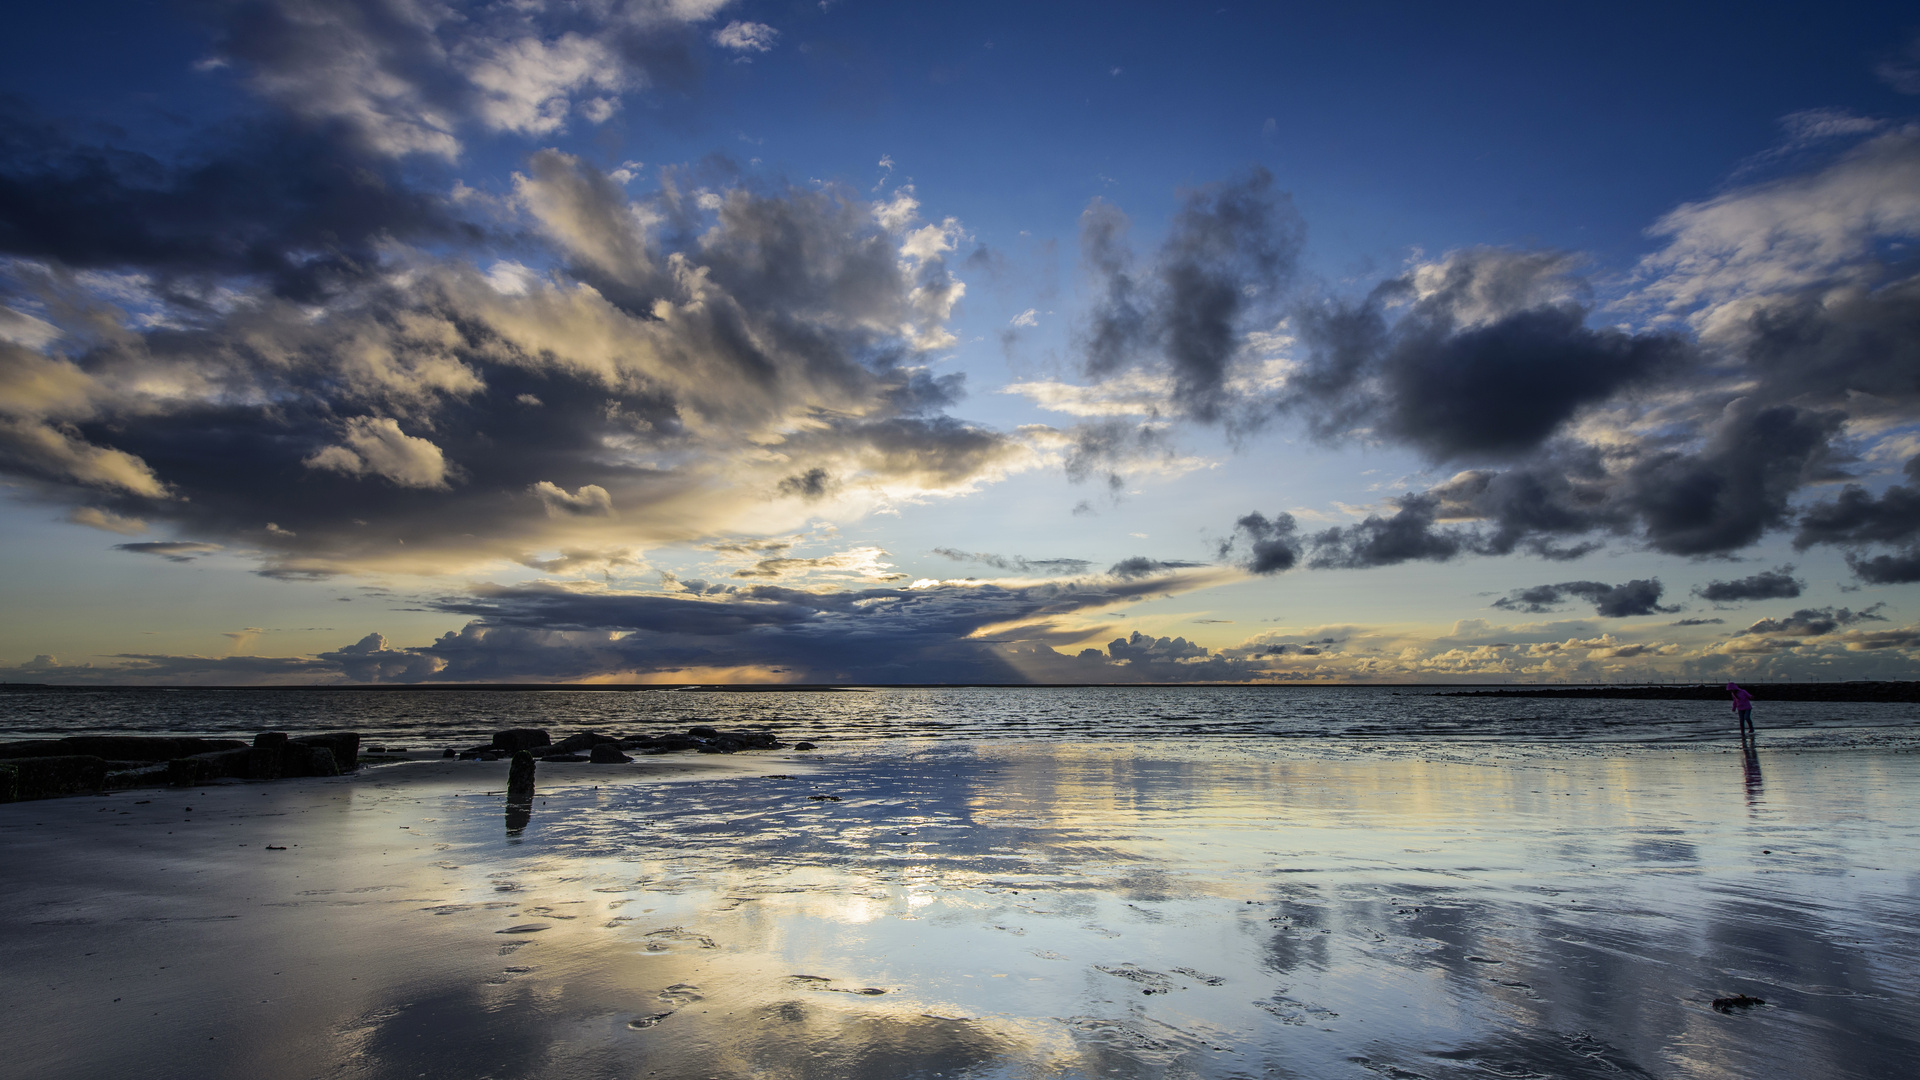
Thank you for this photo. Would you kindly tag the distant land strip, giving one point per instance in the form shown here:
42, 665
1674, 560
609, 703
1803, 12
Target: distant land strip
1834, 691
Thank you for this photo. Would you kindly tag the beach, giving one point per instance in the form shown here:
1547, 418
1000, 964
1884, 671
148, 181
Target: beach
921, 907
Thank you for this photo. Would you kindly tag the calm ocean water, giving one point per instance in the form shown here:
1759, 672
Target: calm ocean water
431, 718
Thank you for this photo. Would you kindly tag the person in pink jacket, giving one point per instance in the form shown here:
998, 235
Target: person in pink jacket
1743, 708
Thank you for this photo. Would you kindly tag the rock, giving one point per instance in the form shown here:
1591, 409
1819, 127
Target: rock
804, 746
450, 752
520, 739
50, 777
134, 775
564, 757
520, 777
345, 746
702, 732
320, 761
117, 747
608, 754
266, 760
1737, 1001
200, 768
585, 740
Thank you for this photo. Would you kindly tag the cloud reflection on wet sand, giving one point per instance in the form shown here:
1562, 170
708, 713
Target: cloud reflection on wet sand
1018, 909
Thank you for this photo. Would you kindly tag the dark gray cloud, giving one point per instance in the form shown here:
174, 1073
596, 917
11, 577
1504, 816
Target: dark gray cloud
1140, 566
1139, 647
1812, 622
867, 635
1823, 346
1409, 534
1272, 545
1638, 597
1535, 507
1489, 358
1697, 622
171, 550
1729, 493
1857, 519
1230, 250
1018, 563
300, 208
816, 483
1775, 584
1902, 568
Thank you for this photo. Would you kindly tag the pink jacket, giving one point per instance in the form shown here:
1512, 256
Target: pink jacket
1741, 699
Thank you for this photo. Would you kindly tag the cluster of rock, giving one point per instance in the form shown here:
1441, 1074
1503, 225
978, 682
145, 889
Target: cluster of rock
84, 764
600, 749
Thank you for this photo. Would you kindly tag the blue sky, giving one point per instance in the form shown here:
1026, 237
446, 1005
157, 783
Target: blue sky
673, 341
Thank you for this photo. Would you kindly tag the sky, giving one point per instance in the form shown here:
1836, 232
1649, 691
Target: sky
671, 341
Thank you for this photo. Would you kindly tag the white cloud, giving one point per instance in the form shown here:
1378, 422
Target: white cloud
746, 37
375, 444
1818, 229
1133, 393
591, 500
1029, 317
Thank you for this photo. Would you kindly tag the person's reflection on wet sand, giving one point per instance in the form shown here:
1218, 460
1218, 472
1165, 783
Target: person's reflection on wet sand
1750, 764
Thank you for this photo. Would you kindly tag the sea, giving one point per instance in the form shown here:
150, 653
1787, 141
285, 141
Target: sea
423, 718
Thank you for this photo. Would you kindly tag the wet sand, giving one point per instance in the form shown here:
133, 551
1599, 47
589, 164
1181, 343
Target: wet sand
985, 910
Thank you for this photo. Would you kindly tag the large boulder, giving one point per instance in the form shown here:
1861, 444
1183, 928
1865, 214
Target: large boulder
608, 753
516, 739
345, 746
585, 740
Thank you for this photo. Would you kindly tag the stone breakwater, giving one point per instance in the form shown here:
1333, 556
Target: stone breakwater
86, 764
89, 764
602, 749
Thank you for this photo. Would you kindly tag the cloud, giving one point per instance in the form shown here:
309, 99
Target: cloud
1856, 519
591, 500
409, 79
1902, 73
1898, 569
1231, 249
1637, 597
1139, 566
814, 484
1018, 563
1490, 358
686, 363
746, 37
376, 445
106, 521
1812, 622
302, 209
171, 550
1272, 544
1409, 534
1775, 584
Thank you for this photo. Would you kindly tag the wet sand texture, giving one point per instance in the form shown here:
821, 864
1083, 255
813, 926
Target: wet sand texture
1006, 910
